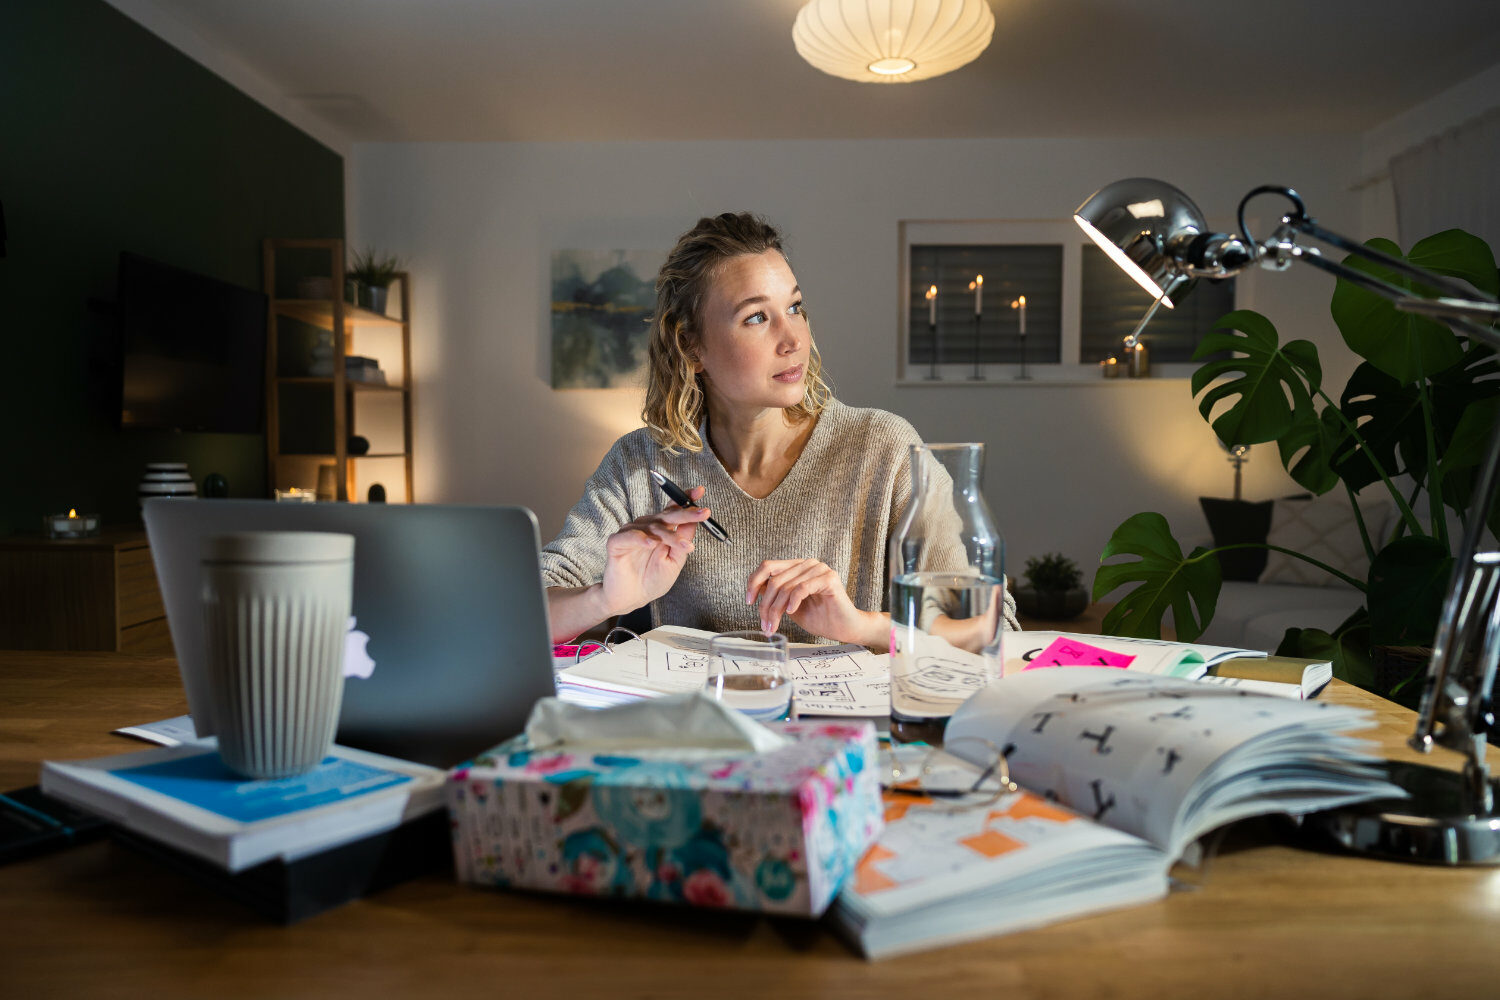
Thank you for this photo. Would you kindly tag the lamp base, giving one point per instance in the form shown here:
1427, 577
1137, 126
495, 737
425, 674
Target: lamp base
1435, 826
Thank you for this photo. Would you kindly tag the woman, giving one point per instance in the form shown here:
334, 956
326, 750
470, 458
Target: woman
737, 413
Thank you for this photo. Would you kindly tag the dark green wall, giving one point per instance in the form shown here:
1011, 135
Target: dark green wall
112, 140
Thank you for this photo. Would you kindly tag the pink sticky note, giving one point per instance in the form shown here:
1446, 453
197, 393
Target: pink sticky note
1072, 653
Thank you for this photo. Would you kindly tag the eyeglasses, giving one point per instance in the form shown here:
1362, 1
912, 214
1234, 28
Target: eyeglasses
953, 774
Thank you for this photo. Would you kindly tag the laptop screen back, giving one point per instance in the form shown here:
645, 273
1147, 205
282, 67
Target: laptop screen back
450, 597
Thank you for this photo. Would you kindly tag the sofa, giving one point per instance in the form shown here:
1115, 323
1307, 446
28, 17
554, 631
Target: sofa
1264, 593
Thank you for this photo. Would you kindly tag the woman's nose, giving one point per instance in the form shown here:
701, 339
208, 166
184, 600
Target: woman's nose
790, 336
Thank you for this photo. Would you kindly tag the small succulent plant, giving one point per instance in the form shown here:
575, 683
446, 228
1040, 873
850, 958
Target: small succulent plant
1053, 572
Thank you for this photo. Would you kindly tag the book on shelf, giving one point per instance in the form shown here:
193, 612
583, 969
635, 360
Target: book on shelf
1118, 774
186, 798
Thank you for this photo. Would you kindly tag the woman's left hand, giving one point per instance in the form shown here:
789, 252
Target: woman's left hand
812, 595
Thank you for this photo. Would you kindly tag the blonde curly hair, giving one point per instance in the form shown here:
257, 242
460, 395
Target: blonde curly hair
674, 390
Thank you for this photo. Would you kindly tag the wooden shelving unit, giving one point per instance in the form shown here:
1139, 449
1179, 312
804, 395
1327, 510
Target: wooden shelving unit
380, 412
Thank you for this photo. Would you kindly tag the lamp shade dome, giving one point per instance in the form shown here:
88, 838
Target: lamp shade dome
892, 41
1139, 222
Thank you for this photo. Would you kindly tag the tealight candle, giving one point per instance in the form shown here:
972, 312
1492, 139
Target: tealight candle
1110, 367
70, 525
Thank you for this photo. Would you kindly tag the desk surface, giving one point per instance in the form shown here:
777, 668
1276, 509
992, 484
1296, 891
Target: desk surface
1270, 920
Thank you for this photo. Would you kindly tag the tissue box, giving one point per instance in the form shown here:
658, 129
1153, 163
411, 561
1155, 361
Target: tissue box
776, 832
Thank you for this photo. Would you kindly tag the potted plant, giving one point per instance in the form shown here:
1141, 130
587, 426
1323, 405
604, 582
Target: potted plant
374, 272
1054, 588
1418, 407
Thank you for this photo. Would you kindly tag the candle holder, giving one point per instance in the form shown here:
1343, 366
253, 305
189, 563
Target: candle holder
1110, 367
70, 525
978, 375
1140, 360
932, 372
296, 495
1023, 377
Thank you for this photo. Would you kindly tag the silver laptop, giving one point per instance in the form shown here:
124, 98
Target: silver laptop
450, 596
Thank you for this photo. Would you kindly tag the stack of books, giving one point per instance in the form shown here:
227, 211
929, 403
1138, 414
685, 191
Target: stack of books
289, 847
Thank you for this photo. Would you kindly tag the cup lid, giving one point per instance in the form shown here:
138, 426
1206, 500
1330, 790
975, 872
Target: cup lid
279, 547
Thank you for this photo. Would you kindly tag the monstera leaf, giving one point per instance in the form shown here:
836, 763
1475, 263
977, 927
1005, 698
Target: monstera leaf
1404, 345
1408, 581
1466, 450
1310, 449
1391, 428
1271, 384
1188, 585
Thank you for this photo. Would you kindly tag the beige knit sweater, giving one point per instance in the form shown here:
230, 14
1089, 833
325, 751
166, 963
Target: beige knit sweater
839, 503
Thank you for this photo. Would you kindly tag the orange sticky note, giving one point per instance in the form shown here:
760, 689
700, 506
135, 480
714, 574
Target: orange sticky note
1072, 653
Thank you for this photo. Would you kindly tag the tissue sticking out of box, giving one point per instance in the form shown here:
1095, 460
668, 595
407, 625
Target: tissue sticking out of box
690, 721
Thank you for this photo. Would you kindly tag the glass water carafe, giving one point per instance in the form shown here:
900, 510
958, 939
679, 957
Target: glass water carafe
947, 565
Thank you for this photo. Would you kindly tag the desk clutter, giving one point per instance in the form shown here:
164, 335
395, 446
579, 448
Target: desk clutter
1062, 792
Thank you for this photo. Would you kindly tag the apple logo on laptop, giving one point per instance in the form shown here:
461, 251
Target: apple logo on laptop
357, 662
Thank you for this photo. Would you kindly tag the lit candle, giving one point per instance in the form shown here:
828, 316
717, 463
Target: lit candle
1020, 305
977, 286
70, 525
932, 306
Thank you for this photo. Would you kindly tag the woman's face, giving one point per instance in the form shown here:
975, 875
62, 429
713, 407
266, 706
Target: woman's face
755, 342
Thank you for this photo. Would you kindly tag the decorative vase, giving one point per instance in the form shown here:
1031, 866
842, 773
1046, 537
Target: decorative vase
947, 564
165, 479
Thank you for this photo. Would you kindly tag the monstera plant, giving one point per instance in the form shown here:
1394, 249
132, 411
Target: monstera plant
1414, 418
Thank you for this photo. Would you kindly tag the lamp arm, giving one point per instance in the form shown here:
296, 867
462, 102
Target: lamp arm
1458, 707
1443, 283
1460, 306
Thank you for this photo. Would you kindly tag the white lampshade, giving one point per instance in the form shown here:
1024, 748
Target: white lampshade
892, 41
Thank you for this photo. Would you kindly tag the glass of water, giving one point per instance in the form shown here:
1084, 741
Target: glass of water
747, 671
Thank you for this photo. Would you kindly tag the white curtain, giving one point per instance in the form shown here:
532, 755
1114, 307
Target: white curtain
1451, 181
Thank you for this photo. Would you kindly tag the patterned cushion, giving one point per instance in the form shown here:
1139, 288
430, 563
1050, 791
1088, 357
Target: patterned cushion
1323, 528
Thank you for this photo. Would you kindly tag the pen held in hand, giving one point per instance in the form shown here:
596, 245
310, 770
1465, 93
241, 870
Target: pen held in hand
681, 499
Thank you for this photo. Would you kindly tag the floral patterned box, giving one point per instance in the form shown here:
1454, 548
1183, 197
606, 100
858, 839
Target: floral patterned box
776, 831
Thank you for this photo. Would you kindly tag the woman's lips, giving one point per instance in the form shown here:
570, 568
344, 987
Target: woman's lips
793, 374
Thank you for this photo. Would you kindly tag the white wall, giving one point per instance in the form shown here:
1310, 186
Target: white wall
478, 222
1448, 109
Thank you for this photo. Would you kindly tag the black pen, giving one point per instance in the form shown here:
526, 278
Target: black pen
681, 499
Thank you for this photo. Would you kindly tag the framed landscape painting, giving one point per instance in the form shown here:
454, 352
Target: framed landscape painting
601, 306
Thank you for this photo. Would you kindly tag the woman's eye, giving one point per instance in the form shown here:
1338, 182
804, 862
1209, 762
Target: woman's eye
753, 318
797, 309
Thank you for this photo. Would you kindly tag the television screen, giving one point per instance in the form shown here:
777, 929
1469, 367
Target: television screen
194, 350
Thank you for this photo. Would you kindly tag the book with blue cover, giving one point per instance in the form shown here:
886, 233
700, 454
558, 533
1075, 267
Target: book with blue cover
186, 798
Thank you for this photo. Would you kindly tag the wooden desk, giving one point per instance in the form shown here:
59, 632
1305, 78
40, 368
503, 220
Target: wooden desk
1271, 921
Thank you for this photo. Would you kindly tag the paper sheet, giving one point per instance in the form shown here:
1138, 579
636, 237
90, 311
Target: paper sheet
844, 679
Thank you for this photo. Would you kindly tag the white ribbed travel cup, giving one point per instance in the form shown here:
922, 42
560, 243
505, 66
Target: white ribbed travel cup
276, 611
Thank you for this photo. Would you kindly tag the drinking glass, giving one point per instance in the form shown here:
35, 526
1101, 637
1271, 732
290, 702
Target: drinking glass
747, 671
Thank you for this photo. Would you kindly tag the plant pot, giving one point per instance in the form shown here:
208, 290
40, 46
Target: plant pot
1051, 605
372, 298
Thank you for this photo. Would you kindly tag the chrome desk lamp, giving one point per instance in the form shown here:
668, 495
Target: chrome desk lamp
1158, 236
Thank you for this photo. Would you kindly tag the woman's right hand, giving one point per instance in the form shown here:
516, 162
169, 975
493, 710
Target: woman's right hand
643, 559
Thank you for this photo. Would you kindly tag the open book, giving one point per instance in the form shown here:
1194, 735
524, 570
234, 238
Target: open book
1119, 772
1247, 669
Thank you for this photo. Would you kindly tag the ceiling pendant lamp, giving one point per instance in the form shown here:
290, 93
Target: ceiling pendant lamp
892, 41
